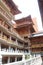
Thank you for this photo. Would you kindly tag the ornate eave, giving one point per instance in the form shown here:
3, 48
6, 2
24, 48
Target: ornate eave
13, 8
28, 18
24, 22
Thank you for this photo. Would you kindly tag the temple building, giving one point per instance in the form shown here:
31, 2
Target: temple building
14, 38
25, 26
12, 45
36, 40
28, 29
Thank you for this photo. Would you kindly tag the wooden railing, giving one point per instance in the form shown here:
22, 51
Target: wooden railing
37, 46
24, 23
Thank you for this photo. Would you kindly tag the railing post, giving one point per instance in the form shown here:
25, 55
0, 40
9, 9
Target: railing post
0, 46
0, 55
16, 50
9, 49
8, 59
23, 57
15, 59
0, 59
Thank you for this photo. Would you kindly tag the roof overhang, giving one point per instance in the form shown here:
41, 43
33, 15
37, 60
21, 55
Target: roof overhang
12, 6
39, 34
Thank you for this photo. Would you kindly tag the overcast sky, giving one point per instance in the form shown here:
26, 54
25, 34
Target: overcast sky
29, 7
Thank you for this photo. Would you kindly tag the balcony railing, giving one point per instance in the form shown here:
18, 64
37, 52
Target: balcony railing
5, 40
12, 50
33, 61
5, 13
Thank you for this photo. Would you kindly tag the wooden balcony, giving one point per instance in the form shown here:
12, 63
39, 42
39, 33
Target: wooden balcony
4, 13
7, 41
37, 46
2, 3
24, 24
